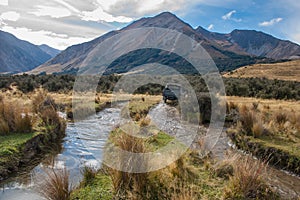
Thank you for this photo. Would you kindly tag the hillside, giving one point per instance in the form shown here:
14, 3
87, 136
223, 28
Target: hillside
254, 43
70, 60
19, 56
49, 50
289, 71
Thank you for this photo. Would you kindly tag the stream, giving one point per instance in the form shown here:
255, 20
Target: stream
82, 146
85, 140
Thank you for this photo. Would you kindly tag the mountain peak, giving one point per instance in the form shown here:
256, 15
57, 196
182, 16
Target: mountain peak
167, 14
162, 20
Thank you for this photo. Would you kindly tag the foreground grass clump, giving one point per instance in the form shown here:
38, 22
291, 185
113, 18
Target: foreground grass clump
55, 185
268, 134
248, 180
99, 187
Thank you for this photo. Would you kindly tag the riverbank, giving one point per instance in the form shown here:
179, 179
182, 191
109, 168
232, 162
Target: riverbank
21, 152
28, 133
272, 135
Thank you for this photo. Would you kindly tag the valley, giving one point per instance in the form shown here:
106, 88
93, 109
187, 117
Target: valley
73, 128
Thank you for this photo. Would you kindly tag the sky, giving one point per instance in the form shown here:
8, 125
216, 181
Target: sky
62, 23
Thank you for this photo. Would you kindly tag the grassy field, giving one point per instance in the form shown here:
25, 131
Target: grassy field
289, 71
273, 105
270, 129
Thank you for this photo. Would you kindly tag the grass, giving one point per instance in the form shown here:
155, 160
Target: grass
190, 177
270, 134
10, 147
139, 106
248, 180
28, 131
55, 185
289, 71
100, 188
272, 105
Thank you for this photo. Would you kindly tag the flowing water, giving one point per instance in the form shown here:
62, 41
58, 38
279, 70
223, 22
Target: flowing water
82, 146
85, 140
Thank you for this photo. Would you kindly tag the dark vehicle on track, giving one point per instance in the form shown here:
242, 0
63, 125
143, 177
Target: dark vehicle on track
172, 91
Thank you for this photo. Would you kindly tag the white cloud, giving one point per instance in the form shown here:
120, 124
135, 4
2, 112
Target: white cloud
59, 41
210, 27
138, 8
100, 15
70, 7
3, 2
10, 16
54, 12
271, 22
228, 15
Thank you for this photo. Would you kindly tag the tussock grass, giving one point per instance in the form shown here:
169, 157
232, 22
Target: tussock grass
125, 181
13, 118
247, 118
55, 185
248, 179
89, 173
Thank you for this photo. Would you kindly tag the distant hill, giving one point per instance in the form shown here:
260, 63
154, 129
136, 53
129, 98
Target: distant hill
18, 55
49, 50
229, 51
289, 71
254, 43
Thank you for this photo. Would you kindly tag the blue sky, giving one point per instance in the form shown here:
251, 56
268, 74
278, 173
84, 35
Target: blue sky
61, 23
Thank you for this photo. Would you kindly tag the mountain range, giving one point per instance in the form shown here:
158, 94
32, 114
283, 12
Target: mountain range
20, 56
229, 51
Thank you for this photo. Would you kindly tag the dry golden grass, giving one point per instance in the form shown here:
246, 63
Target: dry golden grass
248, 180
14, 117
272, 105
55, 185
289, 71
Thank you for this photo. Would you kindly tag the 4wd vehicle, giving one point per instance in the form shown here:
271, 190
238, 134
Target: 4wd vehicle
172, 91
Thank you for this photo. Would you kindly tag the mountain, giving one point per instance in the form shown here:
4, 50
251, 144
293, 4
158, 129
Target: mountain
19, 56
254, 43
217, 45
49, 50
